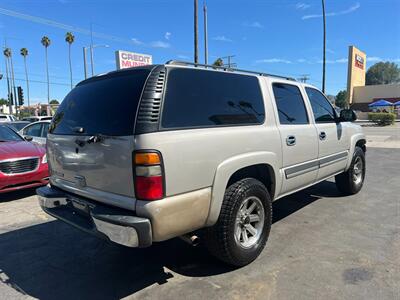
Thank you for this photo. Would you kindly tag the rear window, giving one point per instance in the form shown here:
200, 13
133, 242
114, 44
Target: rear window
201, 98
105, 105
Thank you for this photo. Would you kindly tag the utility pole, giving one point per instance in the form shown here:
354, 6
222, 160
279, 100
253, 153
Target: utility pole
8, 87
304, 77
205, 34
324, 47
91, 48
84, 61
14, 87
196, 32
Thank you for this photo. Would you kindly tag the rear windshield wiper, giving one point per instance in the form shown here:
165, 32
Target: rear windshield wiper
96, 138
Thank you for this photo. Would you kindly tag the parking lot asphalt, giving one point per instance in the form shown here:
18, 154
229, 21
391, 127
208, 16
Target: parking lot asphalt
322, 246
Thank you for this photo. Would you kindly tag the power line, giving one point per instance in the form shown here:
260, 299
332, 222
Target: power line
67, 27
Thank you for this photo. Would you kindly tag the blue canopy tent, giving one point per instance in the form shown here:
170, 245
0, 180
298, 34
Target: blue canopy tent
380, 103
396, 103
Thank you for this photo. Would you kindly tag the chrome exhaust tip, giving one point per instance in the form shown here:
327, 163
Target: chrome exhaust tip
191, 239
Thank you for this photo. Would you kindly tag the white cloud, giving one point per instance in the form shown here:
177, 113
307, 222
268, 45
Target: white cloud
254, 24
333, 14
335, 61
302, 6
160, 44
136, 41
301, 60
273, 61
330, 51
374, 58
184, 57
377, 59
167, 35
222, 38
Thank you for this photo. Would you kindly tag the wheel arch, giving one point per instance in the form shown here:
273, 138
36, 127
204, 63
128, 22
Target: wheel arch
356, 140
254, 164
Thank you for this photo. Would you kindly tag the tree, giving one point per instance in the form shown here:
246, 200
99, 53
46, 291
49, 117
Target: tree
383, 73
341, 99
218, 62
24, 53
46, 43
54, 102
70, 38
3, 101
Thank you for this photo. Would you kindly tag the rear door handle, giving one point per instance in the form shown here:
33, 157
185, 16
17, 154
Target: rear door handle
291, 140
322, 135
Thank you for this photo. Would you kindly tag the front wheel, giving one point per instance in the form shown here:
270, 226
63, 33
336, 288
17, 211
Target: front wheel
243, 226
351, 181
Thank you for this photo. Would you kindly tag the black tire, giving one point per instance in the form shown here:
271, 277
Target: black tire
345, 181
220, 239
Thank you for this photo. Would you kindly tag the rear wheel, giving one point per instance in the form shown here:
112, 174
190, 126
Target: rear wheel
351, 181
243, 226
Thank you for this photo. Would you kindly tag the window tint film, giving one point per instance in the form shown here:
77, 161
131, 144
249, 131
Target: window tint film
201, 98
290, 104
105, 105
322, 109
34, 130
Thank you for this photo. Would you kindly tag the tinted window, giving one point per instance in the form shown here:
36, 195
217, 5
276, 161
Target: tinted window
45, 129
7, 134
322, 109
33, 130
290, 104
201, 98
105, 105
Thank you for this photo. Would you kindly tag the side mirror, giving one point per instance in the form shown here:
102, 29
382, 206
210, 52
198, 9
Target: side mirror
28, 138
347, 115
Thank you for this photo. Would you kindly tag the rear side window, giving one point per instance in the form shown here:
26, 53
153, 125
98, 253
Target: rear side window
106, 105
290, 104
33, 130
322, 109
201, 98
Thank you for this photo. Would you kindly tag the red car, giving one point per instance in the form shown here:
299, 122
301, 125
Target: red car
22, 164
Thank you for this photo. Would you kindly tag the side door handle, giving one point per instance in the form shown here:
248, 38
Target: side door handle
291, 140
322, 135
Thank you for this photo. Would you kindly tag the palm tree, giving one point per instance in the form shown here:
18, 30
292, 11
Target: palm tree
24, 53
70, 38
7, 54
46, 43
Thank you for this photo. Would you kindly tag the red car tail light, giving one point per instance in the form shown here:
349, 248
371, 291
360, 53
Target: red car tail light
149, 176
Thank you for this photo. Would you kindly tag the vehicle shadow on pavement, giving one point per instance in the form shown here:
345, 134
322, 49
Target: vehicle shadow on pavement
55, 261
11, 196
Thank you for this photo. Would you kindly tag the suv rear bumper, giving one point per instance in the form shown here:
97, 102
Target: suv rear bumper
114, 224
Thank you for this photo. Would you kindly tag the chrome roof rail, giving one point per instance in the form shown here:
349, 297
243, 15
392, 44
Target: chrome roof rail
224, 68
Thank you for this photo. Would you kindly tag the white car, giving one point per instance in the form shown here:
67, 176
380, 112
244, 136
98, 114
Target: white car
38, 132
7, 118
37, 118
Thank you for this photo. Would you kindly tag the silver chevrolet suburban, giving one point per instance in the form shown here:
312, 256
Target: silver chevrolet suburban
150, 153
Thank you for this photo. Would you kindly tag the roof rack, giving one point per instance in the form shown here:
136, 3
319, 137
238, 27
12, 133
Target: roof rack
185, 63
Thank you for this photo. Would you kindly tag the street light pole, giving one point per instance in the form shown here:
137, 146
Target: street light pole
205, 34
84, 61
91, 47
324, 46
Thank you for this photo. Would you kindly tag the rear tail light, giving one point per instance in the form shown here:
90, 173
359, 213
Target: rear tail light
149, 176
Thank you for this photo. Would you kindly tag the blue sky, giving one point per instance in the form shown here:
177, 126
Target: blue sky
276, 36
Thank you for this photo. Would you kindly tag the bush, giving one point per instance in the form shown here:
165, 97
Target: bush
382, 118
